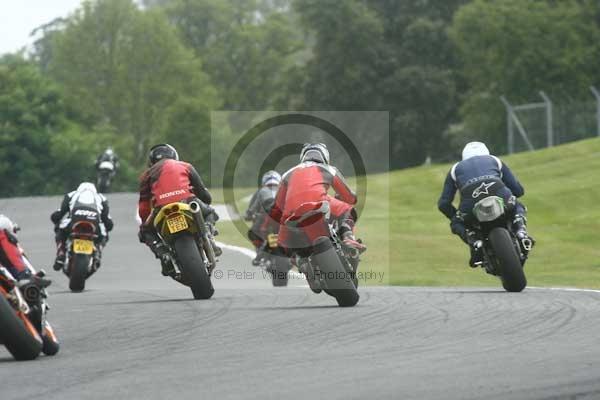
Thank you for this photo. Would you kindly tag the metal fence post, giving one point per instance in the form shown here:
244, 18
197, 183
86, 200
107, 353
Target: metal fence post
510, 127
549, 122
597, 96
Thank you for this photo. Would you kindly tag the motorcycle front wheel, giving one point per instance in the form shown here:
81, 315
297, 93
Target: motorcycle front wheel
19, 336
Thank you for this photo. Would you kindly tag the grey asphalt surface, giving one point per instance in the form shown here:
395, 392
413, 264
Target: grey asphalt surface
137, 335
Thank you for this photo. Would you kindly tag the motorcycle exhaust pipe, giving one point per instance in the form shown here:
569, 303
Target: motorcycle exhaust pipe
527, 244
352, 252
195, 207
31, 293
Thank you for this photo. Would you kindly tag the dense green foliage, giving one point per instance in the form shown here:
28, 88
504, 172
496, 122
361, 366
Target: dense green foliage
117, 73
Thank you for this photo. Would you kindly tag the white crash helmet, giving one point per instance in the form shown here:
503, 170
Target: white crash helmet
271, 178
474, 149
7, 224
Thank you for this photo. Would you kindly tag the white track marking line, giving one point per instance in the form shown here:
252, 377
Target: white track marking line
251, 254
564, 289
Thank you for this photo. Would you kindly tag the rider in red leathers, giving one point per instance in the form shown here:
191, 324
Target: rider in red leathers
168, 180
309, 182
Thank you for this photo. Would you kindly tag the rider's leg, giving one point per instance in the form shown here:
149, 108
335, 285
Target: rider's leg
61, 252
149, 236
458, 227
347, 216
257, 242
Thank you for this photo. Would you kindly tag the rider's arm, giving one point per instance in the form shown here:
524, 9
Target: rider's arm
144, 204
57, 215
105, 215
253, 205
198, 186
277, 210
344, 193
445, 202
511, 181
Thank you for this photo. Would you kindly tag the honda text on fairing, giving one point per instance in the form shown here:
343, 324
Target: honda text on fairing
177, 223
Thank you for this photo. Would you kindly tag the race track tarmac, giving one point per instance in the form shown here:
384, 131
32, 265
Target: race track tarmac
134, 334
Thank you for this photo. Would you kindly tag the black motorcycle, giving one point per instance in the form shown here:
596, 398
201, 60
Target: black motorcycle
328, 264
83, 250
504, 254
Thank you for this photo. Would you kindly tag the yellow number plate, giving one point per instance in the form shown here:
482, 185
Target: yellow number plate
272, 240
81, 246
177, 223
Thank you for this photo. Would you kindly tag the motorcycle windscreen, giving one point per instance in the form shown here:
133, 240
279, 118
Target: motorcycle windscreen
489, 209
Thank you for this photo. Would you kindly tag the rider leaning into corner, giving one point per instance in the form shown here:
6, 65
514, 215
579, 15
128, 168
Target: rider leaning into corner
478, 174
13, 258
260, 205
168, 180
309, 182
84, 203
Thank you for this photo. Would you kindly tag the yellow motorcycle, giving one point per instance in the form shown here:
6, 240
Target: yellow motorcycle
183, 229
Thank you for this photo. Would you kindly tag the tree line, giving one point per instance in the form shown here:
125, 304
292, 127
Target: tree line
127, 75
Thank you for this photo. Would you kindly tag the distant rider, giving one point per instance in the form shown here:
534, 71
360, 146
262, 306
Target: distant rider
168, 180
85, 203
479, 174
310, 182
108, 156
13, 258
260, 205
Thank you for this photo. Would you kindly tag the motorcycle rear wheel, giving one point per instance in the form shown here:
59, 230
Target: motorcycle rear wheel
193, 268
329, 263
79, 272
15, 336
512, 275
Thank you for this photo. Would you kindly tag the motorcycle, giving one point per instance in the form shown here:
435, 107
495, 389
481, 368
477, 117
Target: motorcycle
182, 227
327, 263
504, 254
274, 261
83, 250
25, 331
106, 172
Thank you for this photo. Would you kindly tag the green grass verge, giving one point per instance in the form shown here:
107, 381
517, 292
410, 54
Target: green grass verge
410, 241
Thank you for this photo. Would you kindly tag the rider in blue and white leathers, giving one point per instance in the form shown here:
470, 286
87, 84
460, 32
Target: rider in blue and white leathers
479, 174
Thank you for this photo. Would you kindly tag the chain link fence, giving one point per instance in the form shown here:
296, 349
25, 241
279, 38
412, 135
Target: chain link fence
547, 123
